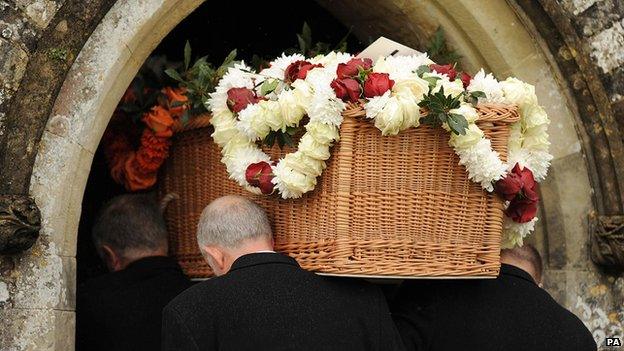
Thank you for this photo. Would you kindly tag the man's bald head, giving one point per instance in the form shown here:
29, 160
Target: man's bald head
231, 220
525, 257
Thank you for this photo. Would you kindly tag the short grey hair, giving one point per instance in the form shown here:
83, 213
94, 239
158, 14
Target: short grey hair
527, 253
230, 220
130, 222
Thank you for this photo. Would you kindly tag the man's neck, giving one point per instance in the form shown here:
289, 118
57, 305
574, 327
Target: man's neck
139, 256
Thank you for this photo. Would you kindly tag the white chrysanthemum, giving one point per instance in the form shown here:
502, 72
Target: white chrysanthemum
278, 66
217, 102
312, 148
538, 162
401, 67
390, 119
302, 163
517, 156
325, 107
331, 60
375, 104
452, 88
238, 76
251, 122
236, 142
489, 85
514, 233
482, 163
471, 138
320, 79
518, 92
291, 184
292, 112
238, 161
323, 133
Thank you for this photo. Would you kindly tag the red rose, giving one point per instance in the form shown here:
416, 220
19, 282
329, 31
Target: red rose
509, 186
351, 68
260, 175
239, 98
465, 78
445, 69
347, 89
520, 188
377, 84
298, 70
521, 211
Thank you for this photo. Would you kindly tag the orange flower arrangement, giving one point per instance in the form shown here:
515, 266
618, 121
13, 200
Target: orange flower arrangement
137, 169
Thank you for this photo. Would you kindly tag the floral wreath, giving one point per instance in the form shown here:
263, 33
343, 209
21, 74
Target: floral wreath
249, 106
136, 167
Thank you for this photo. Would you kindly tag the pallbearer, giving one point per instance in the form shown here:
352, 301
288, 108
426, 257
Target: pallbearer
262, 300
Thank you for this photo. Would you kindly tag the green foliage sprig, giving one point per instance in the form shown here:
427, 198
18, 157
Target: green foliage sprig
439, 105
439, 51
199, 80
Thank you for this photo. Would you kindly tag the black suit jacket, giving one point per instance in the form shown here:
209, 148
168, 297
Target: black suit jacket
508, 313
267, 302
123, 310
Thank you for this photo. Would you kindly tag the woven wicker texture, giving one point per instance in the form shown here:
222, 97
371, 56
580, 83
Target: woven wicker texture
385, 206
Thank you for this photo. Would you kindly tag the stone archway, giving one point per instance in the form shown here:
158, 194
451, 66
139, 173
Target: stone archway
498, 37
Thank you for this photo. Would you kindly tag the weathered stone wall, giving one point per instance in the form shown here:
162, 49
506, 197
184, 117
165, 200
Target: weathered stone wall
37, 287
600, 24
31, 284
597, 296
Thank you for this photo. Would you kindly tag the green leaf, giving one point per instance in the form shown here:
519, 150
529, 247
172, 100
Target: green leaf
268, 86
422, 70
457, 123
269, 140
287, 139
280, 140
174, 74
342, 44
302, 44
306, 34
229, 58
185, 117
432, 81
187, 55
292, 130
478, 94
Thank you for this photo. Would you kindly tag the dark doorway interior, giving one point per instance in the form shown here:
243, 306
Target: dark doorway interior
214, 29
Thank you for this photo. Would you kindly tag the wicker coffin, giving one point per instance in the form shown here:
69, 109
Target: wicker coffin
385, 206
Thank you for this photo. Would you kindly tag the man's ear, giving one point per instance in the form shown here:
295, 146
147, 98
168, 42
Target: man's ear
216, 259
111, 258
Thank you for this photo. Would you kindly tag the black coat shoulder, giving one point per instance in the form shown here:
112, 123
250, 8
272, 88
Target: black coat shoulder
508, 313
267, 302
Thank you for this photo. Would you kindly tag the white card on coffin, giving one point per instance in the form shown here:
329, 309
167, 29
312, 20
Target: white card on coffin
386, 47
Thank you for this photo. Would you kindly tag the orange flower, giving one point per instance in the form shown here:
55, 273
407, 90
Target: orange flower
159, 120
176, 100
153, 152
116, 150
135, 178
